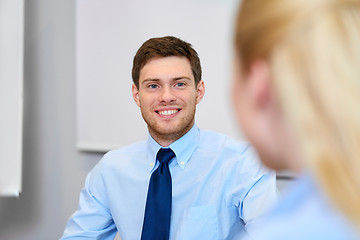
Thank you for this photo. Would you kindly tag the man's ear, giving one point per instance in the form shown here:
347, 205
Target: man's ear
260, 85
135, 94
200, 91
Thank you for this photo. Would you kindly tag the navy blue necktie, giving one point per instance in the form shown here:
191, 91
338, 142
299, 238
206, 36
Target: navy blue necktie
156, 224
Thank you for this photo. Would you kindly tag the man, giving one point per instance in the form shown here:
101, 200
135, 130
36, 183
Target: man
211, 185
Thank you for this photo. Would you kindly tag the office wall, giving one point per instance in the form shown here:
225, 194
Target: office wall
53, 170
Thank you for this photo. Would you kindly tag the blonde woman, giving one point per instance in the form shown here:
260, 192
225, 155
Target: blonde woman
297, 97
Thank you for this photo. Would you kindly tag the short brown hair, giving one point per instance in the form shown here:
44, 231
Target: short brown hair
165, 47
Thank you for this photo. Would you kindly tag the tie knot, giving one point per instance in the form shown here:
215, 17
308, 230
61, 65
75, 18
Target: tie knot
165, 155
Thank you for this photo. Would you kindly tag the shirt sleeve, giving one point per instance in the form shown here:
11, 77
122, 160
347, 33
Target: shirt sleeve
262, 193
93, 219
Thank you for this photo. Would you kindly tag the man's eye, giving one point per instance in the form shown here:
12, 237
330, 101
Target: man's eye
180, 84
153, 86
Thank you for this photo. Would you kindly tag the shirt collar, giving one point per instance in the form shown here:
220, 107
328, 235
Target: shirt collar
183, 148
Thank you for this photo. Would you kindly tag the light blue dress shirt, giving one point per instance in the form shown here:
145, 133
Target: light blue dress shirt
304, 213
218, 186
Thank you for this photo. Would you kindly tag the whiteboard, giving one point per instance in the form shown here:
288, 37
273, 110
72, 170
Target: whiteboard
11, 95
108, 34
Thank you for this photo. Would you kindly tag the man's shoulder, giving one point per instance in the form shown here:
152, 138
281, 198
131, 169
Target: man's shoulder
126, 151
240, 157
118, 161
218, 141
134, 147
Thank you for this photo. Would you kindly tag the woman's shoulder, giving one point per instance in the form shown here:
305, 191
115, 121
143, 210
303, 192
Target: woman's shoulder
305, 213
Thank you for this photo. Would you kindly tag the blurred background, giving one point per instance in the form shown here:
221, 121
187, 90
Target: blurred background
53, 169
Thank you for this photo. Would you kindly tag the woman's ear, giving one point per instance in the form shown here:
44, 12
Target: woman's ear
258, 78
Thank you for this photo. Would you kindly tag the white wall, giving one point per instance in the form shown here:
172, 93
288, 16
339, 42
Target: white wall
53, 170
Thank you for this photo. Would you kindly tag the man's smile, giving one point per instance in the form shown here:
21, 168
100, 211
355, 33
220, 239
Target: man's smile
167, 112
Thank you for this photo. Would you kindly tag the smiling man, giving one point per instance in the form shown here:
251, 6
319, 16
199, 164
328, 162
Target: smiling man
182, 182
167, 95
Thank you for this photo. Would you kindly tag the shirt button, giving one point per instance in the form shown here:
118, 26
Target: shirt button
182, 163
151, 164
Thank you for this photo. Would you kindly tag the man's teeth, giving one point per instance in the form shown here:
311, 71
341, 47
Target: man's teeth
168, 112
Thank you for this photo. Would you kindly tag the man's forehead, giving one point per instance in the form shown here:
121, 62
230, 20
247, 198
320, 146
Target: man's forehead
160, 58
172, 67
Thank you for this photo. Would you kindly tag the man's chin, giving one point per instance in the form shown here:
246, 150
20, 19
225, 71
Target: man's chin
167, 133
169, 130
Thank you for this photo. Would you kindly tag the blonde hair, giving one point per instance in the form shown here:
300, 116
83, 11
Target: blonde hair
313, 50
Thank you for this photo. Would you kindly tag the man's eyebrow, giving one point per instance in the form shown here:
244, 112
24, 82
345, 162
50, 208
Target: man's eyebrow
150, 80
158, 80
182, 77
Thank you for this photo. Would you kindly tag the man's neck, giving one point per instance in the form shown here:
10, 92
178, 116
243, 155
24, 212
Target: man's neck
166, 139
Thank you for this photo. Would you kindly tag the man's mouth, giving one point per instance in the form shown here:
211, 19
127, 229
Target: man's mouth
168, 112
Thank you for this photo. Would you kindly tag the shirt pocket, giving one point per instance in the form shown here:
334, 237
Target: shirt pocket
199, 222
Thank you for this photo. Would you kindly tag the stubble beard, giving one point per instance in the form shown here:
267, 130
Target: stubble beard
167, 133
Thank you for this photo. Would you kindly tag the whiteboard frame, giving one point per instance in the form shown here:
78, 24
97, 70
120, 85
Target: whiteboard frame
11, 96
108, 34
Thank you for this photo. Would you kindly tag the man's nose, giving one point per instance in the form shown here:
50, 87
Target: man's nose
167, 94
